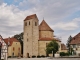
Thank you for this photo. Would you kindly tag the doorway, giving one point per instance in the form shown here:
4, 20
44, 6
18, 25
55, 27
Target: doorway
27, 55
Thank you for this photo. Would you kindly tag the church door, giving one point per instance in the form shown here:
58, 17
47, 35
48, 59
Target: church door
28, 55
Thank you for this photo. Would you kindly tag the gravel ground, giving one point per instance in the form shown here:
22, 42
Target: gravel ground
44, 59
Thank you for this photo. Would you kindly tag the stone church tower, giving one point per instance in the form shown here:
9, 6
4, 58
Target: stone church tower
31, 36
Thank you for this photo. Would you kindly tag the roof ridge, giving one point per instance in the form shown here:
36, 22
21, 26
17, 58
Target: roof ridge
30, 17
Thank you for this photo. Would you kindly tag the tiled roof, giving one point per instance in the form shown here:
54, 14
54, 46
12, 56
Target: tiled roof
30, 17
76, 39
48, 39
10, 41
44, 26
63, 47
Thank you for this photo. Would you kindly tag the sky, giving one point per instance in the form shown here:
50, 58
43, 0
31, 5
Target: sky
63, 16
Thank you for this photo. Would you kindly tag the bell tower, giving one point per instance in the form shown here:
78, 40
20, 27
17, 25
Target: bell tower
31, 36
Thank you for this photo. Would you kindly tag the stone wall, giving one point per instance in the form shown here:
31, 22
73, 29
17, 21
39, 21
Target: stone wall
46, 34
42, 47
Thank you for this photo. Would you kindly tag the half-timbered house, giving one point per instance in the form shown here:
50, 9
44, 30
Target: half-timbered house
3, 49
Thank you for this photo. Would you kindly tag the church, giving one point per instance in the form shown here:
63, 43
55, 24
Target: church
36, 37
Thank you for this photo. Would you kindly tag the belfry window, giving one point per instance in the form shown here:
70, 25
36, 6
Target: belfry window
29, 22
26, 24
35, 23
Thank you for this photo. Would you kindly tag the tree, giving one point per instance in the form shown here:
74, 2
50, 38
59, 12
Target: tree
52, 47
68, 43
19, 37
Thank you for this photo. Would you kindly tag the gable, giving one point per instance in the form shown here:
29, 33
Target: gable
9, 41
76, 39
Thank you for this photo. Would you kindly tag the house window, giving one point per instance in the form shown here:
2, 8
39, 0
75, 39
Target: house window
13, 54
13, 48
35, 23
26, 24
19, 48
29, 22
46, 44
74, 46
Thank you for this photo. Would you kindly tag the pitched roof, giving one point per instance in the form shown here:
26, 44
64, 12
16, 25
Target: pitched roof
10, 40
44, 26
30, 17
76, 39
63, 47
48, 39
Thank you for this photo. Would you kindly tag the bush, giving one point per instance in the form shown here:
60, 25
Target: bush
14, 56
9, 56
33, 56
64, 54
38, 56
67, 54
42, 56
2, 59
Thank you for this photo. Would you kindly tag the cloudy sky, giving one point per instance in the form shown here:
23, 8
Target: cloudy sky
63, 16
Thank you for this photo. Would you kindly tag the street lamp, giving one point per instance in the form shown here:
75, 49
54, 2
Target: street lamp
0, 49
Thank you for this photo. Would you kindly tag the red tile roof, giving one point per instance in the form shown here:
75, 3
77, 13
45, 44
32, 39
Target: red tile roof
44, 26
63, 47
76, 39
48, 39
10, 40
30, 17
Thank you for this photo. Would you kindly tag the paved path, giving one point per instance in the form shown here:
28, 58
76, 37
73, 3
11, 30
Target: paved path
44, 59
28, 59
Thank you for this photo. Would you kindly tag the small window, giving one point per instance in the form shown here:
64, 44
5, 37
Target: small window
74, 46
29, 22
26, 24
35, 23
13, 54
46, 44
19, 48
13, 48
27, 40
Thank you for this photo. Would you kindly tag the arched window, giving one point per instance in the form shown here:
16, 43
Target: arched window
35, 23
29, 22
